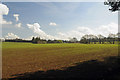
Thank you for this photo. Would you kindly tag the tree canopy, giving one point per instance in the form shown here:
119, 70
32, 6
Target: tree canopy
114, 5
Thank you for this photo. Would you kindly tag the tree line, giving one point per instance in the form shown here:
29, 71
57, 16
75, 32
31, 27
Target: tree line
86, 39
92, 39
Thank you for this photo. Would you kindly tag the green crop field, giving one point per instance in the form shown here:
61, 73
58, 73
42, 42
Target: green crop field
21, 58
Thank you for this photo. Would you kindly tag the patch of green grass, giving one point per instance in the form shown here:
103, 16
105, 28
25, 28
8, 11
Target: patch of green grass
27, 57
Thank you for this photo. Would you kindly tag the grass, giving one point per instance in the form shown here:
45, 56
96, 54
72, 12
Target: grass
27, 57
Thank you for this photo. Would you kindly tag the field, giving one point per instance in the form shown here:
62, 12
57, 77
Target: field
23, 58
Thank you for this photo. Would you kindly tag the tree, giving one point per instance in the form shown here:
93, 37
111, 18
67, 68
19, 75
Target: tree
33, 40
112, 37
86, 38
83, 40
60, 41
101, 38
115, 5
74, 40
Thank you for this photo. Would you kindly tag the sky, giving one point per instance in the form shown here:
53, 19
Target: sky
57, 20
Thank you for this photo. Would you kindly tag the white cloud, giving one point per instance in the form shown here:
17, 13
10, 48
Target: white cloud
104, 30
29, 38
11, 36
6, 22
107, 29
36, 29
52, 24
63, 36
78, 32
18, 25
16, 17
3, 11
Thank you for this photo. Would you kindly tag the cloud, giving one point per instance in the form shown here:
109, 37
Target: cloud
78, 32
29, 38
52, 24
107, 29
6, 22
3, 11
36, 29
11, 36
16, 17
63, 36
18, 25
104, 30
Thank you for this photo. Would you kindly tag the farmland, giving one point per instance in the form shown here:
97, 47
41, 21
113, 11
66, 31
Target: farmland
20, 58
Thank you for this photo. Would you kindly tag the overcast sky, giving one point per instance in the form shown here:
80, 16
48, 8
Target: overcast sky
57, 20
